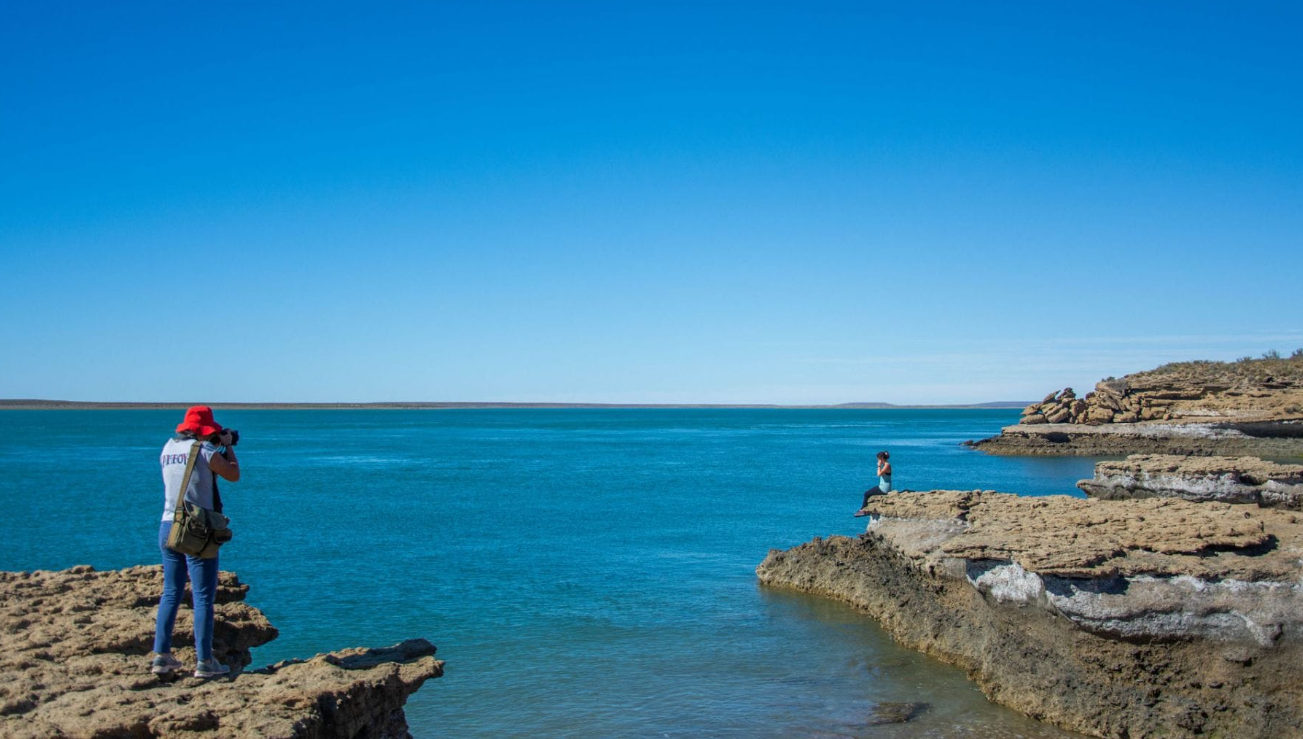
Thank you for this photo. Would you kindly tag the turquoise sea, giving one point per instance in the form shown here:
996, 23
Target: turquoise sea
585, 573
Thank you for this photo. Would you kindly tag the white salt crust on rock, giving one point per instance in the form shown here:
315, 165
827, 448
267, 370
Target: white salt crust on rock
1246, 480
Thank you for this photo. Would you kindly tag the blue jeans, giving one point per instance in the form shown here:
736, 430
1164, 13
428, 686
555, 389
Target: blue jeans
879, 490
202, 574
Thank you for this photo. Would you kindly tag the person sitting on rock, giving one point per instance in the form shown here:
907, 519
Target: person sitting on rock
884, 481
197, 428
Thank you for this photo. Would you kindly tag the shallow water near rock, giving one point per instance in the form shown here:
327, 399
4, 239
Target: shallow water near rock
585, 573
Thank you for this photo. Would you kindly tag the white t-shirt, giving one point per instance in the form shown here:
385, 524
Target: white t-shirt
173, 459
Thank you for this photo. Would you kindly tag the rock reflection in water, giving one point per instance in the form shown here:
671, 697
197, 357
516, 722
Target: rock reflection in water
886, 691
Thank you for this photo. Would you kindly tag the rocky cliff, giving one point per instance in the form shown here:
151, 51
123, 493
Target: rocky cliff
1140, 618
1222, 479
1246, 407
74, 649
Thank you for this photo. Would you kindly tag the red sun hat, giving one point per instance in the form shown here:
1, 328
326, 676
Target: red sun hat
199, 419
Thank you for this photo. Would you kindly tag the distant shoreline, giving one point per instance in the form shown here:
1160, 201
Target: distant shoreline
51, 405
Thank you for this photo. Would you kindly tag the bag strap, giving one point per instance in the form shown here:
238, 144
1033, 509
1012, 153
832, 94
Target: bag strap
177, 508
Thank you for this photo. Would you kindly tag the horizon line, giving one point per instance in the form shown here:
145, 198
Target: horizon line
45, 404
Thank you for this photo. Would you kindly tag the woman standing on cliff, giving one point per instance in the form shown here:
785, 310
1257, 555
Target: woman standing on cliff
884, 480
197, 428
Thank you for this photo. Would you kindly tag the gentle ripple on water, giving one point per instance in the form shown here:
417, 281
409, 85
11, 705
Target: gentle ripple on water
585, 573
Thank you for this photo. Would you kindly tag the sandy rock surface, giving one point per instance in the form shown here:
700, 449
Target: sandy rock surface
1247, 480
1131, 618
1074, 537
74, 658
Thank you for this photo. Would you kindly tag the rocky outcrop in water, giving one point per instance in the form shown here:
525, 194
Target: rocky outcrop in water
1282, 440
1246, 407
1222, 479
1139, 618
74, 662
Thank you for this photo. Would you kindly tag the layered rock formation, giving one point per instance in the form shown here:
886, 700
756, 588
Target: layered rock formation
74, 649
1222, 479
1156, 617
1249, 391
1245, 407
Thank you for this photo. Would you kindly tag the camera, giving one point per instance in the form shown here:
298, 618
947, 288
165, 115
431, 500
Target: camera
217, 437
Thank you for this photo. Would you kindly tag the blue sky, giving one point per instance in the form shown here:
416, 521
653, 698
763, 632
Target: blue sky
625, 202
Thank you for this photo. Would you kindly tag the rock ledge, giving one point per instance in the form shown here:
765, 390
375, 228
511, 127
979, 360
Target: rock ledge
1246, 480
74, 648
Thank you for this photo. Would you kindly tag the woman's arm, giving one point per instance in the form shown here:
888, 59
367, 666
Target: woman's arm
225, 464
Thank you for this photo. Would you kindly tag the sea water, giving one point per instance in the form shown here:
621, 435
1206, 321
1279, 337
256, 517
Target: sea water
584, 573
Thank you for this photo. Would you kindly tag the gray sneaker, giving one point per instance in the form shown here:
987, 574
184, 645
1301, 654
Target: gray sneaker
165, 664
211, 668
